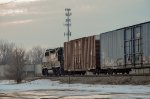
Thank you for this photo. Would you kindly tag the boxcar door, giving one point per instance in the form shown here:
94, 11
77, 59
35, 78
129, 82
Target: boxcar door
133, 46
128, 39
137, 46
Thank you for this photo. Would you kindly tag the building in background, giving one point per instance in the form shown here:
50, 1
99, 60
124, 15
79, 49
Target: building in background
30, 70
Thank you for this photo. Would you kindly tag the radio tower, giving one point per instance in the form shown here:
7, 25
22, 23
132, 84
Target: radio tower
68, 22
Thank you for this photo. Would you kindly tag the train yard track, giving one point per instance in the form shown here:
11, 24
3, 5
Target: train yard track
101, 75
102, 79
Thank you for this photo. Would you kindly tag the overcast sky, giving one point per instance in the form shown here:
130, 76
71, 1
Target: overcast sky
30, 23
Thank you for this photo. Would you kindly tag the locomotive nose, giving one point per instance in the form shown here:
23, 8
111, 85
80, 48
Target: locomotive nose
44, 60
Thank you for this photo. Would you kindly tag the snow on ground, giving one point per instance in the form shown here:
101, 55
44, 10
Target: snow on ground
55, 85
55, 88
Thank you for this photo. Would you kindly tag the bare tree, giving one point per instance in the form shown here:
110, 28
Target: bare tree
15, 70
36, 55
5, 52
28, 58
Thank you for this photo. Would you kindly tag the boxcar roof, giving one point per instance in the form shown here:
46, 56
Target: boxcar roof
126, 27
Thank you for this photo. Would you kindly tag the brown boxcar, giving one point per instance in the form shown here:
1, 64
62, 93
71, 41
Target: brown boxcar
82, 54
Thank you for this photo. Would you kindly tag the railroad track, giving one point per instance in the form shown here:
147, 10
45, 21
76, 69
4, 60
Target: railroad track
114, 75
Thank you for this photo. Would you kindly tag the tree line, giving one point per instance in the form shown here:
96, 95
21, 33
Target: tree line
15, 58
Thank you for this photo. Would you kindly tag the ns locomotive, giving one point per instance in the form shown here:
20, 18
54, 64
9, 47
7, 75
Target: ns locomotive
117, 51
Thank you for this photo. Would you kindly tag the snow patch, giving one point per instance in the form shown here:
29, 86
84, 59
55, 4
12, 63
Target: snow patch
45, 88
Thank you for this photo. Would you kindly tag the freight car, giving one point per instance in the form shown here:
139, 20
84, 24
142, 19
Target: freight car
82, 55
125, 49
117, 51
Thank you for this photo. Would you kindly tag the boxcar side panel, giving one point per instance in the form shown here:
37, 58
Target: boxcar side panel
146, 44
80, 54
112, 49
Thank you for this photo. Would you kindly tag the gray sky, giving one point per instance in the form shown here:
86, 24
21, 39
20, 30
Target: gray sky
40, 22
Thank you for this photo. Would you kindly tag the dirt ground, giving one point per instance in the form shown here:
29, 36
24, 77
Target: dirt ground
114, 80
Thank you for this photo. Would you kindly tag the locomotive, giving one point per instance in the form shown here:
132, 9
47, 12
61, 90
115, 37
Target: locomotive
117, 51
53, 61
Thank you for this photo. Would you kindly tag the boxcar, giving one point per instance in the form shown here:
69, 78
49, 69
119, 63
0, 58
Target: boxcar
112, 50
82, 55
126, 48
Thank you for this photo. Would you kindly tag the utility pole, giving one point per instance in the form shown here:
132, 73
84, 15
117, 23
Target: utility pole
68, 22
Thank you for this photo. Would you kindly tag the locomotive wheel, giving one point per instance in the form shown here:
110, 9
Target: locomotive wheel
46, 72
127, 72
110, 71
43, 72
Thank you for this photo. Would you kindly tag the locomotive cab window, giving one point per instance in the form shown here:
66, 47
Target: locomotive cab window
47, 54
52, 51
